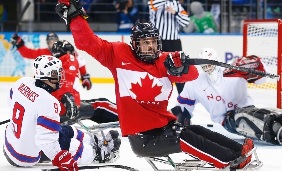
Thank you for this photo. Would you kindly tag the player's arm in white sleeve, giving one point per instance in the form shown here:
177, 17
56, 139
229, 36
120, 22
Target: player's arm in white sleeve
11, 91
48, 126
186, 98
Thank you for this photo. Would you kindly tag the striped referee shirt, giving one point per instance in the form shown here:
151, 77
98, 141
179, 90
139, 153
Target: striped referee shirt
168, 23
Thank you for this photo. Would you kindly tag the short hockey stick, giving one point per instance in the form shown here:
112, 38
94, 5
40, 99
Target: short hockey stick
248, 70
97, 167
6, 121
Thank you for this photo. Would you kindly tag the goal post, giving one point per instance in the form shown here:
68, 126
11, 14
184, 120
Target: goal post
264, 39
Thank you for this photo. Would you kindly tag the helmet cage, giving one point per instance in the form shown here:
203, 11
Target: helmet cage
147, 57
208, 68
143, 31
211, 54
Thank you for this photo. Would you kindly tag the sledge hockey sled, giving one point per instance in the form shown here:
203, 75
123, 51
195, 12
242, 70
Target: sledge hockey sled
185, 165
196, 164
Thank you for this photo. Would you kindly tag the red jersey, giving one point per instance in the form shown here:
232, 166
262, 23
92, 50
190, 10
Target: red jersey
34, 53
142, 90
70, 80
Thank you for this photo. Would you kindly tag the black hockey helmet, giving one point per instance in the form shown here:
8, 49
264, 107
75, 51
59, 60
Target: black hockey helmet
52, 36
141, 31
62, 47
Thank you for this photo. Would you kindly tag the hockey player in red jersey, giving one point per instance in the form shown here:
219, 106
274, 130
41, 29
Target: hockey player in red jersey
99, 110
50, 40
143, 82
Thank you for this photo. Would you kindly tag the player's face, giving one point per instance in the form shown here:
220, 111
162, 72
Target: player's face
148, 46
50, 43
208, 68
57, 78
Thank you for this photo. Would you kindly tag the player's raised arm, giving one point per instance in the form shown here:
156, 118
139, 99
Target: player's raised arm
75, 17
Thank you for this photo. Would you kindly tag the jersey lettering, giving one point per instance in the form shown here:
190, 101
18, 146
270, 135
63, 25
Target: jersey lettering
210, 97
217, 98
27, 92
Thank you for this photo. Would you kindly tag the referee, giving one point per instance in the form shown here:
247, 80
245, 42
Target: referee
168, 16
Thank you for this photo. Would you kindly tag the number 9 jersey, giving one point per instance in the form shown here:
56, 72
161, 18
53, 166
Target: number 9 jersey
34, 123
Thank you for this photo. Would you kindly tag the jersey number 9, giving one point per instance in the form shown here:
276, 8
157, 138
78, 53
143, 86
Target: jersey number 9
18, 114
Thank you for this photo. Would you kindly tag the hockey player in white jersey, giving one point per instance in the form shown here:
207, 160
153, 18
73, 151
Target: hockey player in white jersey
217, 89
35, 124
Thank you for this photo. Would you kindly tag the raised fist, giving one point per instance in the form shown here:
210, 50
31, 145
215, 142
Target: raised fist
176, 63
64, 161
17, 41
69, 9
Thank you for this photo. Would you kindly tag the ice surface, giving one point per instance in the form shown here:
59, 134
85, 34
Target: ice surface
268, 154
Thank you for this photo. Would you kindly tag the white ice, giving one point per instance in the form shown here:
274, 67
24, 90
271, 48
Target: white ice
268, 154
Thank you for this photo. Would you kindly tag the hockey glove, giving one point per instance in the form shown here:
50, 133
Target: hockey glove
229, 122
183, 117
71, 108
175, 63
64, 161
252, 62
86, 82
69, 9
17, 41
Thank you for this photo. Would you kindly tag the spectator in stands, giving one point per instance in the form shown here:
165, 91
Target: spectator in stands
201, 21
127, 15
3, 12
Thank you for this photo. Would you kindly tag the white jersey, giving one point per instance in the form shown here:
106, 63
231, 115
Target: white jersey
218, 97
35, 126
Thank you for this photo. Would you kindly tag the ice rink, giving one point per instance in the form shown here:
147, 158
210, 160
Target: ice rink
268, 154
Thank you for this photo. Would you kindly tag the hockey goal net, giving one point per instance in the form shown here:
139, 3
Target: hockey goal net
264, 39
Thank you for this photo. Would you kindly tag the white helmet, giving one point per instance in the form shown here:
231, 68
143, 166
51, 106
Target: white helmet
211, 54
47, 67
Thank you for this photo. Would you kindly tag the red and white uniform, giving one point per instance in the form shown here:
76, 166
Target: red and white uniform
35, 126
218, 95
142, 90
34, 53
70, 82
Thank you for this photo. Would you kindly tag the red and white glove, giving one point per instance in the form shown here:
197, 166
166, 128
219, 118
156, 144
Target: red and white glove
252, 62
86, 82
64, 161
175, 63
